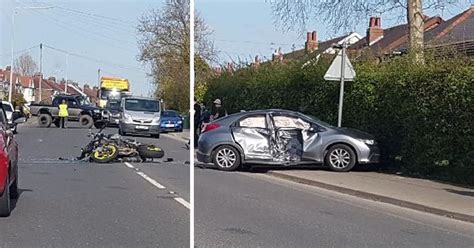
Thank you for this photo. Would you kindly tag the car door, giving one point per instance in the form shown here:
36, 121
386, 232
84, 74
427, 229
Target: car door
74, 109
10, 144
253, 134
304, 134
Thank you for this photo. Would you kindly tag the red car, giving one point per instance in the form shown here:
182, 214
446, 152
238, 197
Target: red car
8, 163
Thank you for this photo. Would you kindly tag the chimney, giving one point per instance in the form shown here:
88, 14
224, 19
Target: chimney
86, 86
52, 79
277, 55
375, 31
311, 42
256, 63
230, 67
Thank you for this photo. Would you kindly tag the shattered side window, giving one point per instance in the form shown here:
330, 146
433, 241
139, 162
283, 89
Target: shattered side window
253, 122
290, 122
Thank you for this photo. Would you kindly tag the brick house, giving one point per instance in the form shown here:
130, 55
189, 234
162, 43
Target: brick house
457, 32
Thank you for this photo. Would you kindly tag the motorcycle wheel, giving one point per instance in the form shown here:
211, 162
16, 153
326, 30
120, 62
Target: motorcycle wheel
150, 151
108, 153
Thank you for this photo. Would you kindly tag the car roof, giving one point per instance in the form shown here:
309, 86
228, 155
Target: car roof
264, 111
6, 102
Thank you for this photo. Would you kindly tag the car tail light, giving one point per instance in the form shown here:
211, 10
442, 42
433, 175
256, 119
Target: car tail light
210, 127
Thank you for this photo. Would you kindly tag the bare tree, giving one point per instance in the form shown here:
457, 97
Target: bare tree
25, 65
165, 45
345, 14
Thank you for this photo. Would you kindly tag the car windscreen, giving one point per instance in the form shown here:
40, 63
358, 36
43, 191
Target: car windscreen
142, 105
7, 108
318, 121
113, 106
169, 114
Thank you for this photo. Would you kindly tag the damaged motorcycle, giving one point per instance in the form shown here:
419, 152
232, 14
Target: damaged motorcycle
105, 148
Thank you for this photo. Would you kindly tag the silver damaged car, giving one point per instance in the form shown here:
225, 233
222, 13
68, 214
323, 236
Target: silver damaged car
282, 137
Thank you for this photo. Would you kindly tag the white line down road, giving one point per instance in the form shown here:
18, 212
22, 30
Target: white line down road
157, 185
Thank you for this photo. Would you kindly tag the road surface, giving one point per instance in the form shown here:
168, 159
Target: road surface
248, 209
74, 204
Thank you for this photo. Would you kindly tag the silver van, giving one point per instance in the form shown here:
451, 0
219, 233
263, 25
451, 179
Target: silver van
140, 115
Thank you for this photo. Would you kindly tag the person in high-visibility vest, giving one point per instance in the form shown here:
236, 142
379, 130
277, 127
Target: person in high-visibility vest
63, 114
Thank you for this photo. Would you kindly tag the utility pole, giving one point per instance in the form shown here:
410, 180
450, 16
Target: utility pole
98, 78
41, 71
10, 91
12, 58
67, 66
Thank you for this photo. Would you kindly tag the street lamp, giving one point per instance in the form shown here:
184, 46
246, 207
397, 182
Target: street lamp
12, 51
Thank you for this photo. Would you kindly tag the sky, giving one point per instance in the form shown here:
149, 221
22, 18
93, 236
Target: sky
245, 28
242, 29
109, 44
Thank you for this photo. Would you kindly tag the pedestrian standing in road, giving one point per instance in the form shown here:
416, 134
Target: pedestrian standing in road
218, 111
63, 114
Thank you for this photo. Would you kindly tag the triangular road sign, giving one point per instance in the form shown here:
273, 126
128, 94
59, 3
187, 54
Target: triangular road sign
334, 71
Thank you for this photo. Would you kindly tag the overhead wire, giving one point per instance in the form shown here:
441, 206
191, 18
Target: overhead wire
19, 51
68, 27
96, 16
95, 59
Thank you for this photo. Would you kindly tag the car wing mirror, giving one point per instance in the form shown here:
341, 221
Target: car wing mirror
314, 129
19, 120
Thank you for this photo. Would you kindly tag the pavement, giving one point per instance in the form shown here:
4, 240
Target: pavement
77, 204
183, 136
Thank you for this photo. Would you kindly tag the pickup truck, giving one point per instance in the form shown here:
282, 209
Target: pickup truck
79, 109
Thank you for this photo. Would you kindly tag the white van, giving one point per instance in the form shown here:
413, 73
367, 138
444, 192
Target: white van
140, 115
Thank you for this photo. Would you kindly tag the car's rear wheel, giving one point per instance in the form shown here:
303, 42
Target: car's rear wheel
226, 158
5, 207
340, 158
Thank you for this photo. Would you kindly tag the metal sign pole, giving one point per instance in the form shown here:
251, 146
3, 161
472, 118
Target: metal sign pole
341, 92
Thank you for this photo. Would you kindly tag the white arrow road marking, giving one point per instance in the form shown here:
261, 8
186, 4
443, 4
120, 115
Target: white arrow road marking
158, 185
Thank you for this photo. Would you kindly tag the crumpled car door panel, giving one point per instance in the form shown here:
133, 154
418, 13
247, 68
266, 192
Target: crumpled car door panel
287, 146
255, 142
312, 145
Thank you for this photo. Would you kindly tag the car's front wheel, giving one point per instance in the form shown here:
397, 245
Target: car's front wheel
226, 158
340, 158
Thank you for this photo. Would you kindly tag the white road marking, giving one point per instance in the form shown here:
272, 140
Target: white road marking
183, 202
150, 180
158, 185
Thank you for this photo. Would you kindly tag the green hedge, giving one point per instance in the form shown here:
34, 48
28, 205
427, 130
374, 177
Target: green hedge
422, 115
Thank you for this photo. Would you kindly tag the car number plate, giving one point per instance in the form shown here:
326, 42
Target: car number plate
142, 127
169, 125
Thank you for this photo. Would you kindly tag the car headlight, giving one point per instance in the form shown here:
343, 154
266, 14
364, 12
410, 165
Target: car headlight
368, 141
127, 117
156, 120
97, 111
179, 122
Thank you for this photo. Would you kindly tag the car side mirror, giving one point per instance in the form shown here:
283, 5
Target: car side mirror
314, 129
16, 115
19, 120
